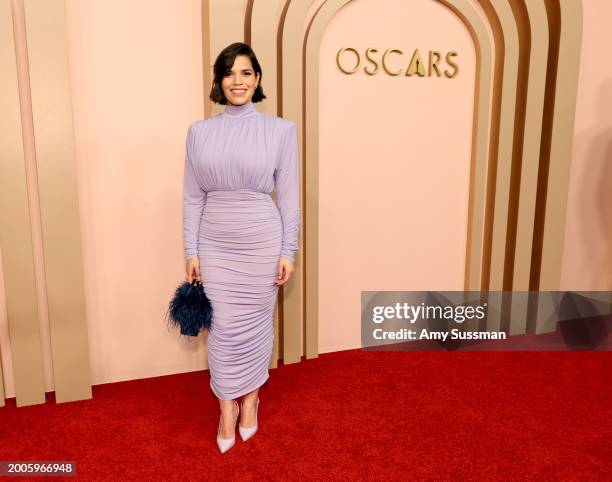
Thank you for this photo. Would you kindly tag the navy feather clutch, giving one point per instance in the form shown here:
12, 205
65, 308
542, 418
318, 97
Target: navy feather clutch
190, 309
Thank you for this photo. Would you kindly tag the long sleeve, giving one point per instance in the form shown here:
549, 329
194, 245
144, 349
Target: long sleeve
287, 189
194, 198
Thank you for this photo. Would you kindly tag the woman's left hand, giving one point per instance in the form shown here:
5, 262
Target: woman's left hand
285, 270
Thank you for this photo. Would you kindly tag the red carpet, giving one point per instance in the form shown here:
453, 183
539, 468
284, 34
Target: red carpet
346, 415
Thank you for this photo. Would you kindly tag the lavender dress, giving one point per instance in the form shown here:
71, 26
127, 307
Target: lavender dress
233, 161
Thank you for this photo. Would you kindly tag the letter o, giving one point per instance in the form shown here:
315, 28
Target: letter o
340, 52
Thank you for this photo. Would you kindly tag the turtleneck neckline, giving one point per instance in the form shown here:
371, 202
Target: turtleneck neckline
241, 110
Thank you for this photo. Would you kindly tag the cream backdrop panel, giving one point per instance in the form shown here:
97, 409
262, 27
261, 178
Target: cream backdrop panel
136, 73
394, 162
587, 259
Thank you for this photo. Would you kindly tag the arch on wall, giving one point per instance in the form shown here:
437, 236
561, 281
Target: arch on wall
532, 22
503, 155
504, 142
565, 19
261, 33
290, 70
497, 181
470, 16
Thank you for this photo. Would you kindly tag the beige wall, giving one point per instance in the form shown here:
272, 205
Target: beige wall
587, 263
136, 87
398, 160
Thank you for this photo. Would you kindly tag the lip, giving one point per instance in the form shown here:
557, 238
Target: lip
238, 91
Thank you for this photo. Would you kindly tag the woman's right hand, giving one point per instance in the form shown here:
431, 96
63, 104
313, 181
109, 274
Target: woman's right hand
193, 269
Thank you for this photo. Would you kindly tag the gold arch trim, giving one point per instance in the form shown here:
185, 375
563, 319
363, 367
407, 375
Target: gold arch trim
532, 22
291, 84
504, 145
480, 171
561, 113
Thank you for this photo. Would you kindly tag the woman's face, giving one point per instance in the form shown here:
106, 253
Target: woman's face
240, 83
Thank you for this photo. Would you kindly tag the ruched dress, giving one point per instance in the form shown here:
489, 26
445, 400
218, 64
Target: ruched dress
233, 161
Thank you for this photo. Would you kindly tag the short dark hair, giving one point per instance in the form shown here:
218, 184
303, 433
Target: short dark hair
223, 64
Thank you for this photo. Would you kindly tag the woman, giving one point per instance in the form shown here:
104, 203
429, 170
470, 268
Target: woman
237, 241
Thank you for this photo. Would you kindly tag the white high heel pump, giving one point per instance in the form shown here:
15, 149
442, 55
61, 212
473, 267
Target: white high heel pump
247, 432
225, 444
